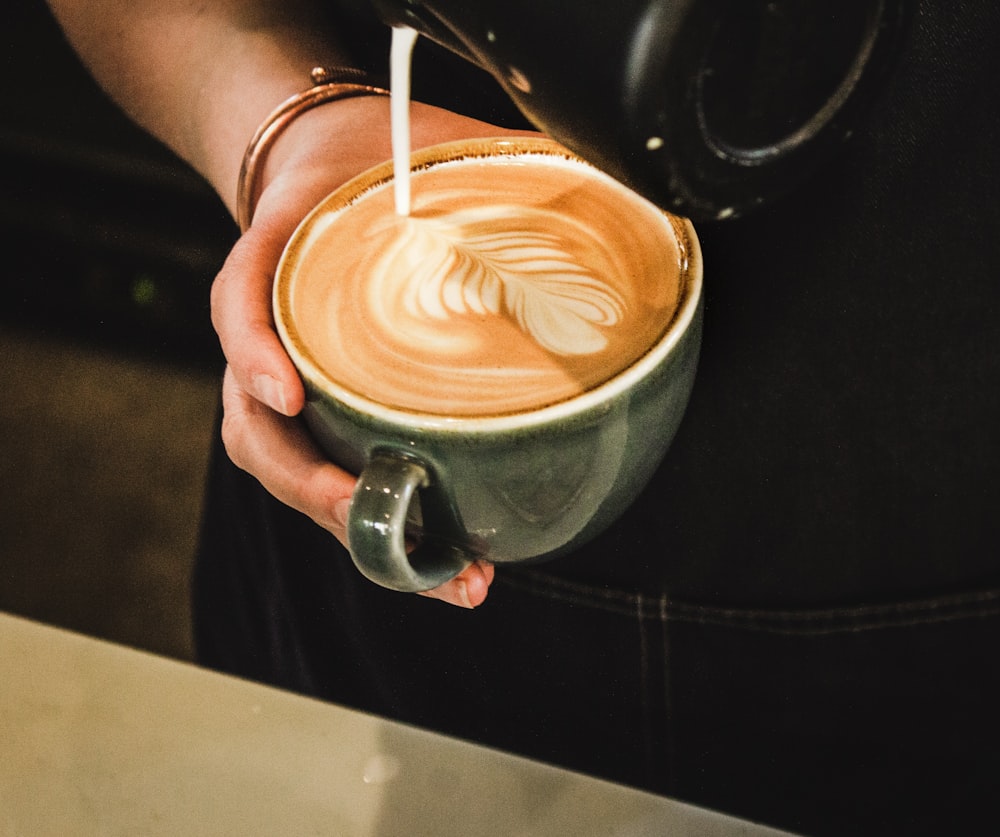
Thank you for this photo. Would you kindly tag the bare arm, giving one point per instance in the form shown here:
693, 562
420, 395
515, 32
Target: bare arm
199, 75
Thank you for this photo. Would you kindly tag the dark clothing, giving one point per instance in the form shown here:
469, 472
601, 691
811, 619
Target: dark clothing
799, 621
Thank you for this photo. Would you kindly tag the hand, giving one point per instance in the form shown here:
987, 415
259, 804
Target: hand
262, 392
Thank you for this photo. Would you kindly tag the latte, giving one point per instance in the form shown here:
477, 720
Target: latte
516, 282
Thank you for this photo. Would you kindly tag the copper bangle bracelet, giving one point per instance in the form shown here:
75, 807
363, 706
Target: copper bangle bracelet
328, 85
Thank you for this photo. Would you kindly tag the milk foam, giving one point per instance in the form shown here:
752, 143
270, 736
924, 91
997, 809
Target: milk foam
499, 261
512, 285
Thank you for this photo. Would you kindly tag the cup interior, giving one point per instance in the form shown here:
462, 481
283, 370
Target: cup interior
520, 149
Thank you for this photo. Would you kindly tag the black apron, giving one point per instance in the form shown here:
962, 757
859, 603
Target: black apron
798, 621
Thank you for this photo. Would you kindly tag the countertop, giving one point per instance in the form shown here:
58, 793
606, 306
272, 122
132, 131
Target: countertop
99, 739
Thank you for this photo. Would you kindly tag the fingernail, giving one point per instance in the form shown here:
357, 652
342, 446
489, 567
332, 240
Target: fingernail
270, 391
341, 510
463, 594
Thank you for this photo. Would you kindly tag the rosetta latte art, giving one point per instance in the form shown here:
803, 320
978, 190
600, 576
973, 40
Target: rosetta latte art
502, 261
511, 286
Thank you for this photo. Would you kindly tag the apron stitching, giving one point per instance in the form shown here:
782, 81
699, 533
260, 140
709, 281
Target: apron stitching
800, 621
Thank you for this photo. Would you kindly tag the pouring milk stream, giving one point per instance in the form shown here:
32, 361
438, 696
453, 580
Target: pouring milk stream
400, 60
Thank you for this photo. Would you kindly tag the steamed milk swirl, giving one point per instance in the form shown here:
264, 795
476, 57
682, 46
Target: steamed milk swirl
512, 285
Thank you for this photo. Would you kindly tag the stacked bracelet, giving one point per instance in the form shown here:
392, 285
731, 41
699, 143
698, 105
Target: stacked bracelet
329, 84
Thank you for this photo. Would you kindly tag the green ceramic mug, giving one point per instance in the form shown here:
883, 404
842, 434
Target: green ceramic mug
504, 368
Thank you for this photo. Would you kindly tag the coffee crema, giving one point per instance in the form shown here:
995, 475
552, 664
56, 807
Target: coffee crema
516, 282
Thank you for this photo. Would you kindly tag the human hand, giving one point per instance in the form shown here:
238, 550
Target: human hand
262, 392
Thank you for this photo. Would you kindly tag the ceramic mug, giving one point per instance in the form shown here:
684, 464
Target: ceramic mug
439, 488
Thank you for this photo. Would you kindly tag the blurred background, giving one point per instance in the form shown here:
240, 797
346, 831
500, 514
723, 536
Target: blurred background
108, 365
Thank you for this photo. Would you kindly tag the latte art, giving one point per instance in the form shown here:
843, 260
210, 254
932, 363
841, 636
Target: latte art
514, 283
502, 260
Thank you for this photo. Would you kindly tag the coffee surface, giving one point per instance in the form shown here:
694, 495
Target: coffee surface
512, 285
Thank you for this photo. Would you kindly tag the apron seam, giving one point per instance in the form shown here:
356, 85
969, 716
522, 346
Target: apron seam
816, 621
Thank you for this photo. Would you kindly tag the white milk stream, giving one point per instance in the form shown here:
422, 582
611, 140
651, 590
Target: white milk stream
400, 62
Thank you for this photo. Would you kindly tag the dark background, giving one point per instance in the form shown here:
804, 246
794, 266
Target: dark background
105, 232
108, 364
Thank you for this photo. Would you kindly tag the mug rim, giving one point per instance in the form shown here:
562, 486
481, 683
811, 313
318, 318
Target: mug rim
605, 392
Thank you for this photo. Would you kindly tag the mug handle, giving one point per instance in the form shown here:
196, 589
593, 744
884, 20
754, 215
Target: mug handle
376, 526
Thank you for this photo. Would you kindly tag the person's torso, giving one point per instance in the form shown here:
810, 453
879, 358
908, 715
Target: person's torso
842, 438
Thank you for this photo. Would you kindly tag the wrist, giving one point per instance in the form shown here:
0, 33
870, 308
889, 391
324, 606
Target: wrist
247, 78
329, 85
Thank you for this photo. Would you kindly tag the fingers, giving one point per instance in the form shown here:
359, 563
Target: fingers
468, 589
278, 451
241, 315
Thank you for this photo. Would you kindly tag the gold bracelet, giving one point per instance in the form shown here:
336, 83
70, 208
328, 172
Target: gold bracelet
329, 84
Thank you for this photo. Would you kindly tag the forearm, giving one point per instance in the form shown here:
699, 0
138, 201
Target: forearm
200, 76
